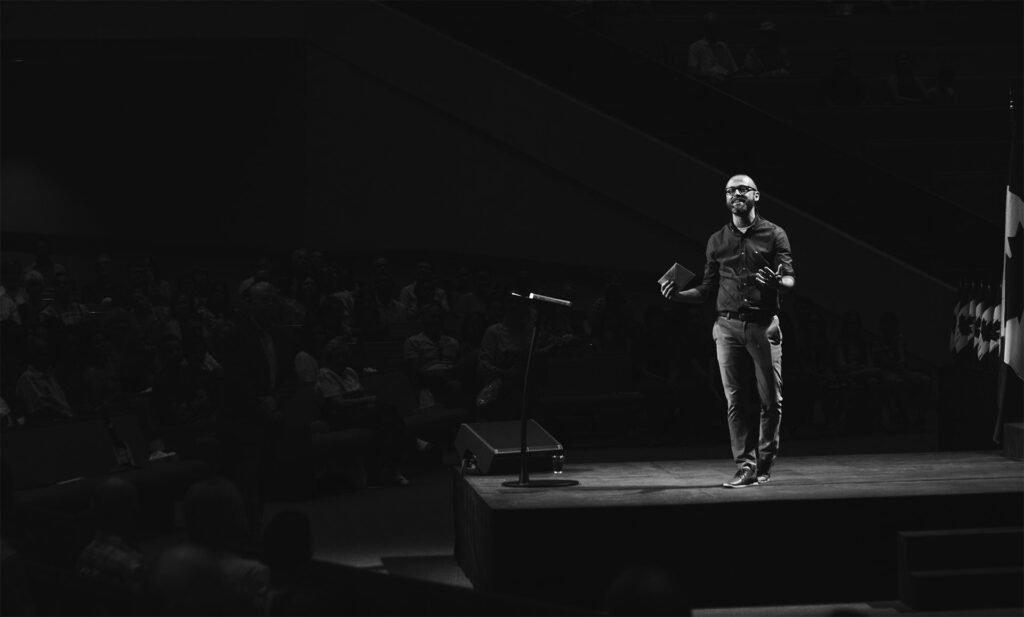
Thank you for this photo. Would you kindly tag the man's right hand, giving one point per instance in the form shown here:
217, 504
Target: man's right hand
668, 289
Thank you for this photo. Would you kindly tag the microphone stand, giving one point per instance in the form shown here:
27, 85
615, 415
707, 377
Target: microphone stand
524, 480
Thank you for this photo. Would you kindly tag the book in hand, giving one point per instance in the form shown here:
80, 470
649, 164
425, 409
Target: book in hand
678, 275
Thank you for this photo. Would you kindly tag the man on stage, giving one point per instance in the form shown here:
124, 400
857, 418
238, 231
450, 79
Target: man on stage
748, 263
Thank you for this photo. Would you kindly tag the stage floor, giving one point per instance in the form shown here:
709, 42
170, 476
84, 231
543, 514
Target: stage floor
823, 530
686, 482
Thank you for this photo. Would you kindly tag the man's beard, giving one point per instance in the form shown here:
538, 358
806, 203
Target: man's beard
741, 207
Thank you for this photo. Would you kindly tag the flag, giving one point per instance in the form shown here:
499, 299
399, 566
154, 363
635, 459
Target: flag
1011, 375
995, 347
985, 332
979, 317
964, 322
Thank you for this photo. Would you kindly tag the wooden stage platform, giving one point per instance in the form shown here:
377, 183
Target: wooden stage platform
823, 530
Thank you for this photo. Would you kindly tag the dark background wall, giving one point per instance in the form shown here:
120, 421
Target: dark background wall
418, 178
169, 142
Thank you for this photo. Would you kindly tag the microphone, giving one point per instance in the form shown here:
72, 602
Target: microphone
546, 299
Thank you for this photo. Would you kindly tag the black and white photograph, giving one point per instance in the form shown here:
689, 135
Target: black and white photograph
512, 307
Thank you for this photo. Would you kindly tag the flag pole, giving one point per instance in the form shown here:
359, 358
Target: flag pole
1006, 372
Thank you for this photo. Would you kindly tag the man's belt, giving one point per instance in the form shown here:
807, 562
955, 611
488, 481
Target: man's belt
761, 317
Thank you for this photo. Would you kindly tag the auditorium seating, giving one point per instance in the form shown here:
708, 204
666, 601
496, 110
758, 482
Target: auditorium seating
57, 466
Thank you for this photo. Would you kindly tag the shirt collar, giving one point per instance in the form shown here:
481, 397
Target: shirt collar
754, 225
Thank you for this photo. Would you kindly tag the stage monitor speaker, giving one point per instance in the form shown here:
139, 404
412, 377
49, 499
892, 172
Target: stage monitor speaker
494, 448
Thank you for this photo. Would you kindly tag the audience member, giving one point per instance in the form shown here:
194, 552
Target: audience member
337, 315
257, 366
102, 392
186, 390
380, 309
501, 362
262, 273
64, 306
44, 263
218, 304
465, 299
317, 262
135, 357
201, 284
41, 397
564, 330
843, 87
37, 298
256, 357
188, 580
293, 312
904, 87
431, 357
103, 289
182, 312
6, 416
709, 56
768, 58
10, 280
381, 267
144, 279
112, 556
423, 290
473, 327
215, 519
346, 404
309, 299
147, 323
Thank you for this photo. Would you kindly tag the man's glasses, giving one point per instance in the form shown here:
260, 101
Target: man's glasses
742, 190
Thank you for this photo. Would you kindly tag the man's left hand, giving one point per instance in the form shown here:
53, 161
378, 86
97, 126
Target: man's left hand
766, 277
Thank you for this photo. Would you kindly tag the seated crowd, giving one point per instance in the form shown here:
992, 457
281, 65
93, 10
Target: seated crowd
205, 363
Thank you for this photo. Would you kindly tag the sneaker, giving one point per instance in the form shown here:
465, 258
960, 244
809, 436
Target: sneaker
746, 476
764, 472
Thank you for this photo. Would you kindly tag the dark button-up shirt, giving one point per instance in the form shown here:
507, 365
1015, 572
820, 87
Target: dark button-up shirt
732, 260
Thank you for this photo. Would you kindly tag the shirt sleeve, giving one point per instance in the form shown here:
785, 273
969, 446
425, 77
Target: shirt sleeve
327, 385
783, 254
709, 284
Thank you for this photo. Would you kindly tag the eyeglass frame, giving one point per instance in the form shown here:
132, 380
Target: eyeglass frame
732, 190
